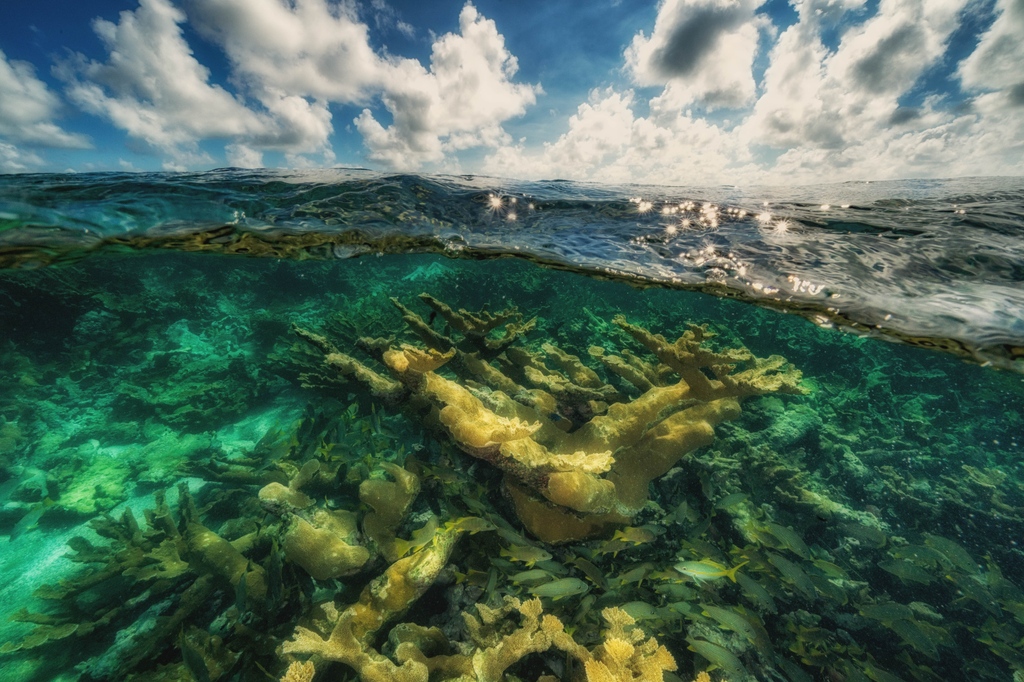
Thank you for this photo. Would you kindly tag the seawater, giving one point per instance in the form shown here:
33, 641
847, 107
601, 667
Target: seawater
153, 378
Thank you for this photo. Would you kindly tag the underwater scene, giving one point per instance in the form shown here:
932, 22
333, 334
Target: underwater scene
350, 426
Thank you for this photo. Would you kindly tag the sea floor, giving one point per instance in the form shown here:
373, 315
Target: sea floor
864, 526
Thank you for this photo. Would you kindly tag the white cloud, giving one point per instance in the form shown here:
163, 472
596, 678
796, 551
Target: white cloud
703, 49
315, 49
27, 110
460, 102
306, 47
607, 142
15, 160
822, 114
997, 64
153, 87
820, 100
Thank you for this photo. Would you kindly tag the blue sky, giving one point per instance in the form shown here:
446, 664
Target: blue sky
672, 92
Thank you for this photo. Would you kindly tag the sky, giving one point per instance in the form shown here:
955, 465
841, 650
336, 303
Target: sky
679, 92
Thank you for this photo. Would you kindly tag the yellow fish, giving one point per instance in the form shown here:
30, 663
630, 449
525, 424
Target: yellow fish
420, 538
706, 569
525, 554
469, 524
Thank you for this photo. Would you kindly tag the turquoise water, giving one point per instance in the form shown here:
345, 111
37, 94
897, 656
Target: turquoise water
185, 444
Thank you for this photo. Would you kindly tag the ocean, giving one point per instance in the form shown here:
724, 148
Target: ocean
351, 425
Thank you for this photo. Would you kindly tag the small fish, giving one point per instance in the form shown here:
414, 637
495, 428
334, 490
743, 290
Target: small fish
635, 535
794, 574
470, 524
730, 620
954, 552
194, 660
706, 569
275, 574
640, 610
830, 569
678, 591
560, 589
590, 571
921, 636
637, 575
525, 554
420, 538
757, 594
905, 570
789, 539
865, 534
922, 555
30, 521
720, 656
731, 500
886, 612
532, 577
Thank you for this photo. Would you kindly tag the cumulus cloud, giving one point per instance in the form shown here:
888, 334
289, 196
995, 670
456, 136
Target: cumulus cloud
306, 47
458, 103
27, 112
837, 109
995, 65
607, 141
15, 160
289, 61
703, 49
823, 100
154, 88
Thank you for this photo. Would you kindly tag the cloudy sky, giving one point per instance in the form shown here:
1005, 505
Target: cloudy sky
671, 92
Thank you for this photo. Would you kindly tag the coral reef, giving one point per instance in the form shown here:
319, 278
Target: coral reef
855, 532
578, 454
496, 644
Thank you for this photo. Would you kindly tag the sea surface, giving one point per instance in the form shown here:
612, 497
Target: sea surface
256, 424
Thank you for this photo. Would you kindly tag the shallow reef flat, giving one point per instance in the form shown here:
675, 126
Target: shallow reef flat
416, 468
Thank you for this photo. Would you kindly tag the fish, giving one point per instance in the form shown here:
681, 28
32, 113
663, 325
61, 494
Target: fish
590, 571
865, 534
420, 538
956, 554
677, 591
922, 555
789, 539
639, 535
886, 612
828, 589
560, 589
756, 593
532, 577
525, 554
194, 660
830, 569
730, 620
470, 524
718, 655
640, 610
637, 575
905, 570
275, 574
920, 636
731, 500
794, 574
30, 521
706, 569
